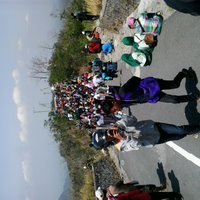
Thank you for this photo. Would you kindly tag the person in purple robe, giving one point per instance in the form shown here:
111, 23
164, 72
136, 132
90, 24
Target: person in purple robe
150, 89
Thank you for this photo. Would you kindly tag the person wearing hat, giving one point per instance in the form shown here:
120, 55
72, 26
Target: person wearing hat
90, 33
141, 195
129, 134
150, 89
121, 187
141, 56
134, 191
143, 41
146, 23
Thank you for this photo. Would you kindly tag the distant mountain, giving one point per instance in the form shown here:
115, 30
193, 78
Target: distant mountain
66, 194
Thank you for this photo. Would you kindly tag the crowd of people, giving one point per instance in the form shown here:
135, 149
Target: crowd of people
81, 98
98, 107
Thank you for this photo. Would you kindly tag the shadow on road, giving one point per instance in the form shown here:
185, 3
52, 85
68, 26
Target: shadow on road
191, 112
174, 181
129, 111
161, 173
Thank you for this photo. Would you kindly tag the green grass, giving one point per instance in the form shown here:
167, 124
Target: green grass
67, 61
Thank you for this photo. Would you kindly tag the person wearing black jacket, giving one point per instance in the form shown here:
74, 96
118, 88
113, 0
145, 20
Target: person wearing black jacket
81, 16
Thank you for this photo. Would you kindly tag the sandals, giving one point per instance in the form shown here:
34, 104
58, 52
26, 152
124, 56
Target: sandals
196, 135
166, 184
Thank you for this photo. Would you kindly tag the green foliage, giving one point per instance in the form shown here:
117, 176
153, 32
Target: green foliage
66, 61
67, 56
73, 147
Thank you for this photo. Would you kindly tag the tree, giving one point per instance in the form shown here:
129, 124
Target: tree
40, 68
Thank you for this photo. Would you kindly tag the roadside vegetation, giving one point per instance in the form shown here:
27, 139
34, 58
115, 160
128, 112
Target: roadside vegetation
67, 58
66, 62
74, 148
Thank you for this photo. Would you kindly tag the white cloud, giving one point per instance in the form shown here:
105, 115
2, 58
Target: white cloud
27, 21
25, 170
27, 18
22, 136
19, 44
21, 115
16, 76
17, 95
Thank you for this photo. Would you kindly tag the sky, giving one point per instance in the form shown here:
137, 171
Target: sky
31, 167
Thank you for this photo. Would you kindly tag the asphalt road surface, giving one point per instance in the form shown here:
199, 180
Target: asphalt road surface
179, 162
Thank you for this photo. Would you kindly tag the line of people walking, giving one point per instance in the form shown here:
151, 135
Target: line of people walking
127, 133
100, 106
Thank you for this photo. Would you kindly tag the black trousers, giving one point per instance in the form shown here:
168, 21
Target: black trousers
170, 132
165, 195
82, 17
173, 84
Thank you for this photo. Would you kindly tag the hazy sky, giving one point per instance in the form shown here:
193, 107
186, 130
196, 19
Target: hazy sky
31, 168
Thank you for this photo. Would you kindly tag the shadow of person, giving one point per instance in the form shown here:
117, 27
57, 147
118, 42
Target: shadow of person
174, 182
161, 173
129, 111
191, 112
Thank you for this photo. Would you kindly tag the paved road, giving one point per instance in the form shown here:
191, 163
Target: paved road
178, 47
